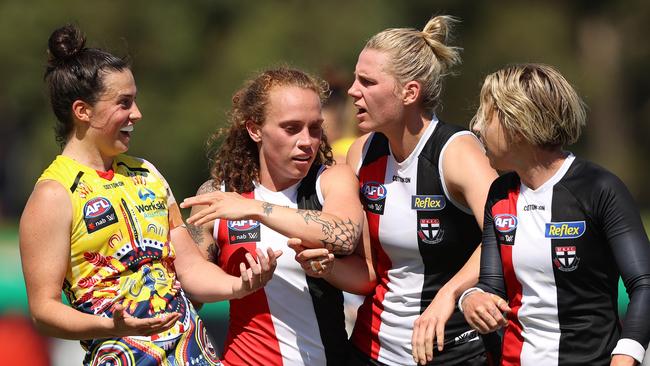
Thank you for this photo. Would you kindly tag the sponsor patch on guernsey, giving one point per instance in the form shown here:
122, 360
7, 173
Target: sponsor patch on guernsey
243, 231
564, 230
374, 197
428, 202
505, 223
98, 213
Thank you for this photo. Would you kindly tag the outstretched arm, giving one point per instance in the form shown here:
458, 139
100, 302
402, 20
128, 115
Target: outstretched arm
336, 228
46, 223
204, 281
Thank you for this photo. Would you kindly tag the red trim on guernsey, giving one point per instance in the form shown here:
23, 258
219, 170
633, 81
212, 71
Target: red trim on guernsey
251, 336
512, 338
366, 331
108, 175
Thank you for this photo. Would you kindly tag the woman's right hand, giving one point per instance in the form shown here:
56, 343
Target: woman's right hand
484, 311
126, 325
258, 273
316, 262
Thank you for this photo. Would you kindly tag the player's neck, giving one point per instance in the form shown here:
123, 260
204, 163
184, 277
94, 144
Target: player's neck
88, 155
539, 165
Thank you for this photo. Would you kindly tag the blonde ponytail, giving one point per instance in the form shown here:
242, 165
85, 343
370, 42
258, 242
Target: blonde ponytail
422, 56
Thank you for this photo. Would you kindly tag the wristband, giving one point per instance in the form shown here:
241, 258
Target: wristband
464, 295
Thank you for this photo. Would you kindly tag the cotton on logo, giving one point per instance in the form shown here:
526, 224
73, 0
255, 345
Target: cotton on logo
96, 207
243, 225
374, 191
505, 223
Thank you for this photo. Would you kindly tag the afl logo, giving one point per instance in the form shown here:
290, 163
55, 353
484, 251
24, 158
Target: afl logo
374, 191
505, 223
96, 207
243, 225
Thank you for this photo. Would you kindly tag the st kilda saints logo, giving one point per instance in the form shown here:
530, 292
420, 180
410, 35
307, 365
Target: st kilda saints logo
506, 226
374, 197
243, 231
565, 258
98, 213
429, 231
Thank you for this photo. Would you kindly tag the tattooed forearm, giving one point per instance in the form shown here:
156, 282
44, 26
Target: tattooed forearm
195, 233
339, 237
267, 208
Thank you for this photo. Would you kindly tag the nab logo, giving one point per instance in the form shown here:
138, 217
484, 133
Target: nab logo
374, 191
96, 207
243, 225
565, 230
505, 223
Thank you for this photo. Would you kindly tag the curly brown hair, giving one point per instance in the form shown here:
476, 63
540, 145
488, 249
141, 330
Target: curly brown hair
236, 162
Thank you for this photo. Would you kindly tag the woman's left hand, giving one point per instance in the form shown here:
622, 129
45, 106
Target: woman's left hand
623, 360
317, 262
429, 328
220, 205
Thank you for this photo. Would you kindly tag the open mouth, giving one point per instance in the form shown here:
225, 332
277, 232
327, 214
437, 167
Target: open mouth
302, 158
127, 129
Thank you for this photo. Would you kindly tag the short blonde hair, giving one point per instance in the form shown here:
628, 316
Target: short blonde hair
533, 101
422, 56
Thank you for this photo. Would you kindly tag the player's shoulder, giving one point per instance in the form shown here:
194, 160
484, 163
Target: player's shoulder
208, 186
587, 176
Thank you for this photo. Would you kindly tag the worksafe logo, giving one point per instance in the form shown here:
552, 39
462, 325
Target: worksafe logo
565, 230
428, 202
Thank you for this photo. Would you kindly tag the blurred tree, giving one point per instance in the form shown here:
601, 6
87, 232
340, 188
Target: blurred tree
189, 58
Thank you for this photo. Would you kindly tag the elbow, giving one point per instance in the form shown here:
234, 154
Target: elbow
40, 324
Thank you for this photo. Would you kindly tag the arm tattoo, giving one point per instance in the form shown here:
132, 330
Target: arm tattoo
196, 233
339, 236
206, 187
267, 208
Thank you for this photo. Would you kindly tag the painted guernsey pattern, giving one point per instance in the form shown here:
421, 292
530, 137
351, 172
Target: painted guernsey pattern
294, 319
555, 253
421, 238
121, 254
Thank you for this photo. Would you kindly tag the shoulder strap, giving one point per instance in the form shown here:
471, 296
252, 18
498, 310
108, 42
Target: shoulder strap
307, 196
438, 139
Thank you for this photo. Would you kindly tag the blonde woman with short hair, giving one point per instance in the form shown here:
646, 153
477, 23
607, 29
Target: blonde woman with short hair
558, 233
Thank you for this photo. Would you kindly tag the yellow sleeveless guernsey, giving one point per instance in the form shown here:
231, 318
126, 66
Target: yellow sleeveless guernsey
120, 253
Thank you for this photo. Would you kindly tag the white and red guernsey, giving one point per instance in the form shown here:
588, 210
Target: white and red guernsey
294, 319
556, 254
421, 238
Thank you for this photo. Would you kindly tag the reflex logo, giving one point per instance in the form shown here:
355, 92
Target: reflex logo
565, 230
374, 191
243, 225
505, 223
428, 202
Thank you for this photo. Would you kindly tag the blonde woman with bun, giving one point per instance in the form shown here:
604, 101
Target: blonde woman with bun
423, 185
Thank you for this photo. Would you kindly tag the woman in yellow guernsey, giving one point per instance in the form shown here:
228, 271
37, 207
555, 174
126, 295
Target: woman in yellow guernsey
100, 225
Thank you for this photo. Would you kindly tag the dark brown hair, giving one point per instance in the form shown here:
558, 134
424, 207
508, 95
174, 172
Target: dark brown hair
236, 162
75, 72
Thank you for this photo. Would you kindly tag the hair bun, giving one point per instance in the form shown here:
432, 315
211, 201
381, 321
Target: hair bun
65, 42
